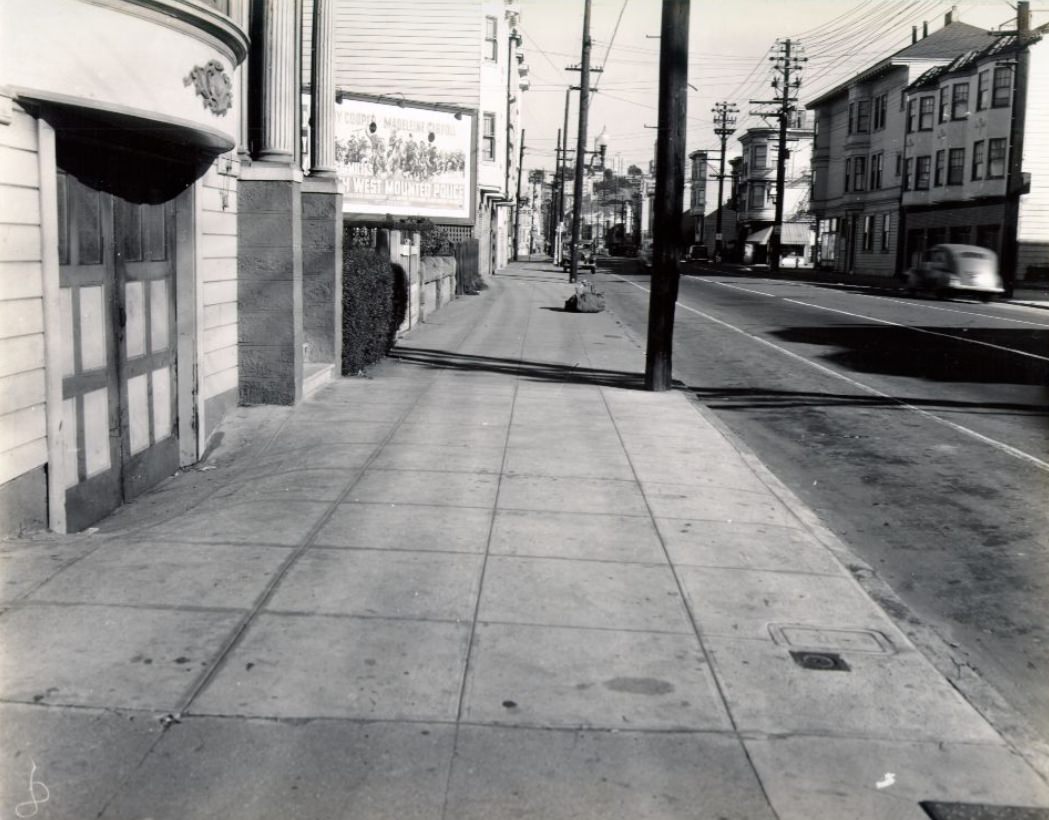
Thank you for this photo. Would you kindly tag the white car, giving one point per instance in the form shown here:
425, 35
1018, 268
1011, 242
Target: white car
946, 269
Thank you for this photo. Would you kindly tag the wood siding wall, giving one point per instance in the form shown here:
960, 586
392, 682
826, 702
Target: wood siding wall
1033, 223
217, 234
23, 426
427, 50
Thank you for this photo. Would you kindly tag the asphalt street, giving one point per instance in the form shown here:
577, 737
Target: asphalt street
918, 429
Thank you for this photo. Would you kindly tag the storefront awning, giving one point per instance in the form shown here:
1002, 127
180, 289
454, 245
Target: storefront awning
794, 233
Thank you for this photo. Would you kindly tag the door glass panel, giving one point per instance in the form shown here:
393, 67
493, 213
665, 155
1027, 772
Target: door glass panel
161, 403
66, 336
135, 321
158, 241
131, 235
96, 431
158, 315
69, 436
63, 221
92, 329
88, 225
138, 412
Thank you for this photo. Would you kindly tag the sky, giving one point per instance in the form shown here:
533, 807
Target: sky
729, 46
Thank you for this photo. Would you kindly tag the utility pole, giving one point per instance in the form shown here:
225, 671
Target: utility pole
1014, 184
670, 191
580, 153
554, 211
788, 66
564, 168
517, 195
724, 122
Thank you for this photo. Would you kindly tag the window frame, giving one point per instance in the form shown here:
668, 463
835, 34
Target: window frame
960, 99
978, 160
939, 167
863, 116
886, 226
1002, 71
922, 172
983, 89
956, 166
848, 173
491, 39
912, 115
859, 174
877, 168
764, 155
908, 173
868, 233
992, 144
488, 140
945, 103
754, 187
926, 111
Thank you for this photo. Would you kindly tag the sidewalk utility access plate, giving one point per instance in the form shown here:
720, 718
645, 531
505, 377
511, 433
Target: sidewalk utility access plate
819, 661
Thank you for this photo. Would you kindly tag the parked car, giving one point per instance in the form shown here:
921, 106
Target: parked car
697, 253
946, 269
587, 259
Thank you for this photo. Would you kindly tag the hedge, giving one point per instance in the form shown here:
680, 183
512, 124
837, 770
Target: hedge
374, 301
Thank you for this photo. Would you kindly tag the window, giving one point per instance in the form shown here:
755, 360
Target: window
859, 173
868, 232
491, 42
996, 158
908, 173
983, 90
899, 163
757, 195
978, 159
912, 107
945, 105
941, 163
863, 116
852, 117
926, 111
881, 105
848, 174
886, 225
1003, 85
488, 138
759, 155
956, 166
921, 173
877, 167
959, 101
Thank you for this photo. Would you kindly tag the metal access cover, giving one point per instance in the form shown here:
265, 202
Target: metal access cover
980, 811
818, 639
819, 661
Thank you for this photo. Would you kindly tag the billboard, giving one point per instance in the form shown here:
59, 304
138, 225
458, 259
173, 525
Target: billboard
405, 160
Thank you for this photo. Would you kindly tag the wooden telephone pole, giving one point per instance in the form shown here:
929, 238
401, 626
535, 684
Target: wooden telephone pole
724, 122
669, 194
580, 152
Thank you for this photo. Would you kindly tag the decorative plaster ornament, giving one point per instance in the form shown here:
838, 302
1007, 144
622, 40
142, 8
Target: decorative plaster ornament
213, 86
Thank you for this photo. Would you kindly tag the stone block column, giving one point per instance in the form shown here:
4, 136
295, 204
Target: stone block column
269, 221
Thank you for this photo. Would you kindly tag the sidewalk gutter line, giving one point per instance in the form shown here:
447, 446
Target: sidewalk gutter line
684, 599
1008, 449
484, 563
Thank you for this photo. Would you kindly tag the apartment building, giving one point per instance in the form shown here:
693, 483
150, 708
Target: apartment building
756, 193
957, 182
859, 150
461, 53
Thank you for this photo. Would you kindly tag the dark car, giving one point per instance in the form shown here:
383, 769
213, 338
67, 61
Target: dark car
697, 253
586, 257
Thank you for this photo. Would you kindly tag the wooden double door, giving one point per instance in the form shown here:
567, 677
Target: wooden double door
119, 368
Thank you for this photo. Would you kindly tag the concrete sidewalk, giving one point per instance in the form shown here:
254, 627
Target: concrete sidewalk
493, 580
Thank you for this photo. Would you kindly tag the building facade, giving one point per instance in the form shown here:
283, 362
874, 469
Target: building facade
957, 185
858, 154
154, 221
463, 53
756, 193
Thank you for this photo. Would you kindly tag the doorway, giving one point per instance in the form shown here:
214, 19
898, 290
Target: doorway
117, 277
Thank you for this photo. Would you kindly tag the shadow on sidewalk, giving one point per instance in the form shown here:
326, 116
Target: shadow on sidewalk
733, 398
537, 371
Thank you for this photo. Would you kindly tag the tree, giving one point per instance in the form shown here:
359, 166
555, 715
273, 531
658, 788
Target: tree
634, 171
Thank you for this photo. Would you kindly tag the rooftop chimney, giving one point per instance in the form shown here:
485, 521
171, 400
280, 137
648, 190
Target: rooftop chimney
948, 18
925, 30
914, 35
